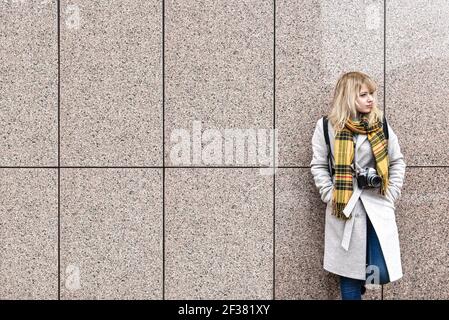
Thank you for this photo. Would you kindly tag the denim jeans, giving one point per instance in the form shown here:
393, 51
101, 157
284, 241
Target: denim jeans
351, 289
377, 273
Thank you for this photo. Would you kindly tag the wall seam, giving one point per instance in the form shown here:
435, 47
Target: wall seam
58, 7
385, 88
163, 149
274, 151
186, 167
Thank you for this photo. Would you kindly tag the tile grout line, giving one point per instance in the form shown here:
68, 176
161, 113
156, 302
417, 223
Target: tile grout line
163, 149
274, 150
385, 55
184, 167
385, 88
58, 5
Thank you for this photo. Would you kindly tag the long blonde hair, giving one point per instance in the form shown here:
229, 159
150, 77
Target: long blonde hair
345, 95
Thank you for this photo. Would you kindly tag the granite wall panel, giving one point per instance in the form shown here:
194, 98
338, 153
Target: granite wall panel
28, 84
421, 215
111, 234
300, 241
417, 72
28, 234
111, 91
219, 74
316, 42
219, 234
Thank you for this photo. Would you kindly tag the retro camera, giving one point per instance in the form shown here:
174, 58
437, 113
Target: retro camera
368, 178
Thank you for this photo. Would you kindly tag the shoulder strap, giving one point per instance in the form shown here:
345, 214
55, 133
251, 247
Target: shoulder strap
385, 128
326, 138
326, 131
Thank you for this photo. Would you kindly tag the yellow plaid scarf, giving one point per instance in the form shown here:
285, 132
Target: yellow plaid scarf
344, 155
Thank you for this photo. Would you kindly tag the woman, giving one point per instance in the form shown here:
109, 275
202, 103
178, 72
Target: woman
361, 237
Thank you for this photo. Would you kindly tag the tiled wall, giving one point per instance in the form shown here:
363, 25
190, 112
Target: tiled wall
96, 97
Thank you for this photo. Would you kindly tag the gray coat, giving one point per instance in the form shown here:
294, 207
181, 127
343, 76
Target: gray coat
345, 241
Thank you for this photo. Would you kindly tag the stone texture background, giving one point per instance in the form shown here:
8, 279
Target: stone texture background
93, 205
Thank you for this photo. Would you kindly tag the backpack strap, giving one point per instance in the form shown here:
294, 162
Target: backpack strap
385, 128
329, 153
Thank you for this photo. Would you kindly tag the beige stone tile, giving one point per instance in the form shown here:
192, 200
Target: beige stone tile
219, 69
29, 84
219, 234
111, 83
28, 234
417, 69
111, 234
421, 214
316, 42
300, 241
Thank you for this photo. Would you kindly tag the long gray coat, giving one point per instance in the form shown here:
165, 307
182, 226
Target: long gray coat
345, 241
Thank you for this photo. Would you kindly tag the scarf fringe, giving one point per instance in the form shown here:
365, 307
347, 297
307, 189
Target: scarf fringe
337, 210
384, 187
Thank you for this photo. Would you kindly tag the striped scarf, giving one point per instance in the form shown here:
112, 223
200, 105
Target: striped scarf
344, 155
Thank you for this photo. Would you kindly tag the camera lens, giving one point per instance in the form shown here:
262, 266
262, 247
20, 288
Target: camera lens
375, 181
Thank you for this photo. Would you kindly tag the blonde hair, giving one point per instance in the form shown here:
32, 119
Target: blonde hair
345, 95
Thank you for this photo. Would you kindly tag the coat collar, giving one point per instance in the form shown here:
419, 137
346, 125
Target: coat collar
360, 138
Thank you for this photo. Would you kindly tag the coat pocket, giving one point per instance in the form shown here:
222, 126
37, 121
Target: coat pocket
389, 200
379, 201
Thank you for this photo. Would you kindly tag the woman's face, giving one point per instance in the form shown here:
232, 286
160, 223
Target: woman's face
365, 100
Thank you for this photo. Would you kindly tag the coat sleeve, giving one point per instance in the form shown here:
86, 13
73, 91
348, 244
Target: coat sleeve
319, 164
396, 168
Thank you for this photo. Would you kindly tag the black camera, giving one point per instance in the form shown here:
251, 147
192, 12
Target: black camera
368, 178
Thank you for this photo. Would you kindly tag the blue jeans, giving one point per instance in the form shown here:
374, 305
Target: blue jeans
351, 289
377, 272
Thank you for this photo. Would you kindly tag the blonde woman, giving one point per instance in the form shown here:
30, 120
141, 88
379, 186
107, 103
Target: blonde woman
359, 174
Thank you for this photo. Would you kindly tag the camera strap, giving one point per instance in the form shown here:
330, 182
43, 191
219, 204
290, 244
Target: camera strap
385, 128
330, 164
